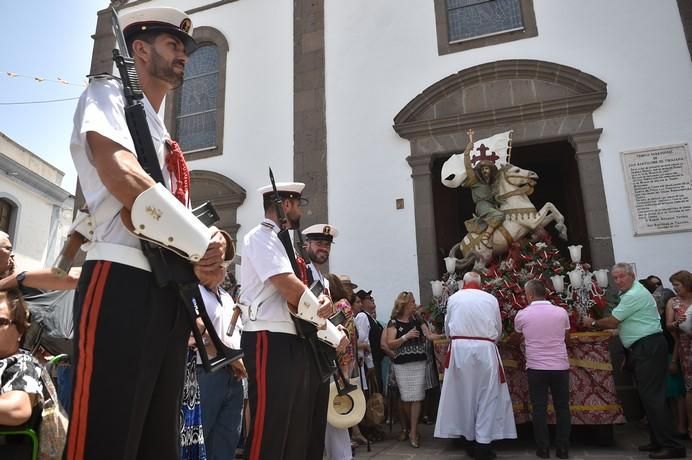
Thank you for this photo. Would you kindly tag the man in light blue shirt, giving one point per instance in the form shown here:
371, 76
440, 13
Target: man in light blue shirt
639, 328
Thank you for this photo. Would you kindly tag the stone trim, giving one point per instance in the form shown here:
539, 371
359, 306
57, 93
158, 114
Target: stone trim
685, 7
39, 184
205, 35
516, 69
15, 212
209, 6
561, 105
309, 108
104, 42
586, 103
424, 211
122, 4
585, 144
224, 193
445, 47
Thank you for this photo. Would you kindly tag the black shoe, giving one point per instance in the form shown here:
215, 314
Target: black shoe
678, 452
470, 451
483, 452
683, 436
543, 452
561, 453
648, 447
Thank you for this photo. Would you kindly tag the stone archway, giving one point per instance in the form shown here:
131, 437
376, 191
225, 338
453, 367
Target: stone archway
541, 101
226, 195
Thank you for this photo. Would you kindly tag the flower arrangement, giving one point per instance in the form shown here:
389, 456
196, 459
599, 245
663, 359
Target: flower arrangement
539, 259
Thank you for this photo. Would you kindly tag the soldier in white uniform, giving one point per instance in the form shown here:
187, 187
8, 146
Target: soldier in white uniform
282, 377
131, 335
475, 401
318, 245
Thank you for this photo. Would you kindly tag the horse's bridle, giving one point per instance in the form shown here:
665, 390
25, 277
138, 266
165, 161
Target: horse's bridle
526, 189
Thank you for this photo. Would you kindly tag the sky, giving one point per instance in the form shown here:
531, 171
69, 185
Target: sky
48, 39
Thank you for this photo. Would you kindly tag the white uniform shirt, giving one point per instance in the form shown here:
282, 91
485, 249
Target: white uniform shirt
101, 109
220, 311
263, 256
363, 326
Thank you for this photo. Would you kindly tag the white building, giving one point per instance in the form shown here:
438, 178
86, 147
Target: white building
34, 209
363, 100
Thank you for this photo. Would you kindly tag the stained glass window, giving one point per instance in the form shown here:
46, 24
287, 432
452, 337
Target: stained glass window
197, 104
469, 19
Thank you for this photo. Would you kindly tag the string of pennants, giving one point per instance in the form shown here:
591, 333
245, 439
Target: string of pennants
42, 79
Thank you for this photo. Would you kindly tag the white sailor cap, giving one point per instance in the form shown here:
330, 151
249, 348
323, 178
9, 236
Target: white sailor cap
320, 232
162, 19
285, 190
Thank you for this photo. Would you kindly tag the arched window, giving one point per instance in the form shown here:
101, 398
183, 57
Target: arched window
8, 216
195, 111
195, 121
5, 215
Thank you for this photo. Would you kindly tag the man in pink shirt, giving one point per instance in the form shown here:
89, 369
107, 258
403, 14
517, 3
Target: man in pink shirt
545, 329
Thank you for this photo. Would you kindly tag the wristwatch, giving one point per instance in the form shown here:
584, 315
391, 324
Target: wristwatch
20, 278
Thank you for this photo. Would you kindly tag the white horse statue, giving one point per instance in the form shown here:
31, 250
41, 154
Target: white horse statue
512, 187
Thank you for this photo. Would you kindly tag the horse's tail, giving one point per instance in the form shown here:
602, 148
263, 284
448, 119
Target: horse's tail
468, 258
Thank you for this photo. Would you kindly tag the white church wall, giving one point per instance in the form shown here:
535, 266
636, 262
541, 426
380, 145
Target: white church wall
32, 231
258, 120
380, 55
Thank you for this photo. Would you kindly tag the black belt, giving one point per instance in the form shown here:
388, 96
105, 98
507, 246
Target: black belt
644, 339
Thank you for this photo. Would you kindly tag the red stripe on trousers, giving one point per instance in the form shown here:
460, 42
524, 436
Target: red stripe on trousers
87, 333
261, 348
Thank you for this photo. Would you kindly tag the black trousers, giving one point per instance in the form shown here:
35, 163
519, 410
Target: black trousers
557, 381
649, 359
283, 393
130, 348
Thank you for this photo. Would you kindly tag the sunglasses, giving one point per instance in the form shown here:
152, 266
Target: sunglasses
5, 322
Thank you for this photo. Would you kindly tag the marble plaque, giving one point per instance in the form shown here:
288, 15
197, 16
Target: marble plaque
659, 188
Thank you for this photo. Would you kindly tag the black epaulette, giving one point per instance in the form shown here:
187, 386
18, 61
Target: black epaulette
267, 225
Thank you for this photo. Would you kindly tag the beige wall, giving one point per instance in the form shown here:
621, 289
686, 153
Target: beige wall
27, 159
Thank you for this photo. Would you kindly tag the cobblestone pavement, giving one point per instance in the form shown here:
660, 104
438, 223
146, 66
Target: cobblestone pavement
585, 445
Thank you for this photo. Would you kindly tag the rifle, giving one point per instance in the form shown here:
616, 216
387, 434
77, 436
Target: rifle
168, 268
323, 354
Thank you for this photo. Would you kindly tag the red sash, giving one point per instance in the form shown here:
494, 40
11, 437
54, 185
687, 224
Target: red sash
501, 370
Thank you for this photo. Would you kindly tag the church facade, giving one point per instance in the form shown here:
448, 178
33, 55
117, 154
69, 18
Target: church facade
364, 100
35, 211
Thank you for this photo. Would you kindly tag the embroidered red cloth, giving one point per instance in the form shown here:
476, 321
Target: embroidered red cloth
176, 165
501, 370
593, 399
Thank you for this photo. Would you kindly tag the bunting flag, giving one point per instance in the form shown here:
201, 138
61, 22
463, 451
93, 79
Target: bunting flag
39, 79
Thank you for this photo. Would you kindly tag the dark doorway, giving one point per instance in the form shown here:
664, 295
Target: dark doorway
556, 166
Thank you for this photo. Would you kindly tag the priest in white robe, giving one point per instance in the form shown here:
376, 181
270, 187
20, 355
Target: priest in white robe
475, 402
